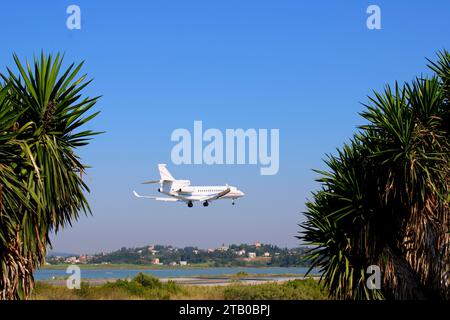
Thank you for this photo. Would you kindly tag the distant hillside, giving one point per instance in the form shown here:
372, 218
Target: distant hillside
257, 254
59, 254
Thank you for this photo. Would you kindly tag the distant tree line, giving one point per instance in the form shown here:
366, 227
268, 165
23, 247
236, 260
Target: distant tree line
233, 255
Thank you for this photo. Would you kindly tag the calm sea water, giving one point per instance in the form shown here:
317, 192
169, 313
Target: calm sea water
46, 274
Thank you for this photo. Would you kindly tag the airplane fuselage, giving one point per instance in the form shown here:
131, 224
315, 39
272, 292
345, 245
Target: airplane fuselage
197, 193
181, 190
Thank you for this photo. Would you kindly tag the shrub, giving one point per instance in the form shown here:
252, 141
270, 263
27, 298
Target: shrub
291, 290
146, 287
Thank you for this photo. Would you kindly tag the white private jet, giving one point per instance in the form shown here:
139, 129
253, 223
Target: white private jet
181, 190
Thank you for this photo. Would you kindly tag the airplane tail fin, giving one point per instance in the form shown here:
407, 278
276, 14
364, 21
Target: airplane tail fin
164, 173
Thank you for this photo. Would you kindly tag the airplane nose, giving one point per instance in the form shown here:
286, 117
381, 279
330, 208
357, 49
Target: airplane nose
241, 193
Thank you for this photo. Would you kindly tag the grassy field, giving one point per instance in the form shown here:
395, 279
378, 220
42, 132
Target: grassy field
148, 287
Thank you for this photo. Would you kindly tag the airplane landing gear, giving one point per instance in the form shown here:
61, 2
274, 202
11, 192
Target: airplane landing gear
232, 202
206, 203
190, 204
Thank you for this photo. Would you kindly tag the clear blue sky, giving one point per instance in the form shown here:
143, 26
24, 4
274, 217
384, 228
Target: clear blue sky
300, 66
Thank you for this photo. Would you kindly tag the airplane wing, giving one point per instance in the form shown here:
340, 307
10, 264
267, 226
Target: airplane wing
216, 196
156, 198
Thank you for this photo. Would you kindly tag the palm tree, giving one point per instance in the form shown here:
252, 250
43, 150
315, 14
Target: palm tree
385, 199
42, 111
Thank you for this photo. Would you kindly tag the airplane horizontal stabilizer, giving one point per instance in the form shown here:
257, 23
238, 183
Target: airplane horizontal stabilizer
155, 198
151, 182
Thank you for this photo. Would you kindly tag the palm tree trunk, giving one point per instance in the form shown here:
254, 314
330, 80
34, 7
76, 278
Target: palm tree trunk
16, 272
399, 281
418, 266
425, 246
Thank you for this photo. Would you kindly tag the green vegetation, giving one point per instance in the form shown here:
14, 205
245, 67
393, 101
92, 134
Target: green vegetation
148, 287
239, 275
42, 115
145, 286
141, 287
291, 290
385, 200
